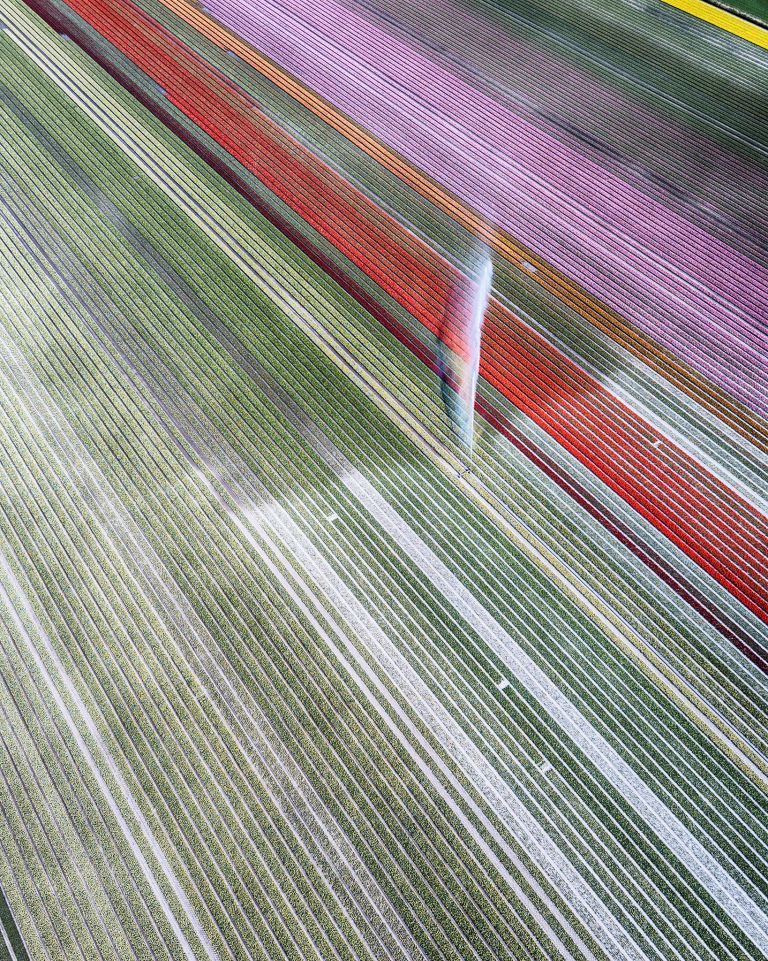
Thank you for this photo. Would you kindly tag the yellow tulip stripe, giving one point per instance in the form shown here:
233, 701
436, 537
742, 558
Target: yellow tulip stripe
723, 19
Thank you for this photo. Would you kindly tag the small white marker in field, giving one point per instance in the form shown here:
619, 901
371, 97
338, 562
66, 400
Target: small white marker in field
527, 265
503, 684
332, 517
658, 442
545, 767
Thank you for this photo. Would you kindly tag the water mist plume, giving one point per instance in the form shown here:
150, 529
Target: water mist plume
459, 385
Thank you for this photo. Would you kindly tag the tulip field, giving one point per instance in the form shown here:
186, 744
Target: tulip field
287, 670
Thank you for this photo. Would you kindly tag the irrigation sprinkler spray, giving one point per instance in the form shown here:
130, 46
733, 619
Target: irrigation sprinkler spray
458, 380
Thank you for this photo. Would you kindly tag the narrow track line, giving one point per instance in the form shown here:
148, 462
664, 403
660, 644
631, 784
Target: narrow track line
59, 751
44, 896
85, 897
